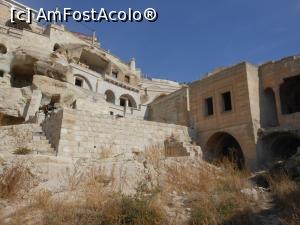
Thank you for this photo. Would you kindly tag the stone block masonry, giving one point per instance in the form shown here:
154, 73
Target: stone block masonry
85, 134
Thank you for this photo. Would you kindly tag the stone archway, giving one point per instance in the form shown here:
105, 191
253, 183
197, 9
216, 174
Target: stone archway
127, 100
279, 146
222, 146
110, 96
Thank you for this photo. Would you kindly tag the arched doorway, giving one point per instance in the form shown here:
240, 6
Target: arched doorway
3, 49
127, 100
18, 24
271, 118
222, 146
110, 96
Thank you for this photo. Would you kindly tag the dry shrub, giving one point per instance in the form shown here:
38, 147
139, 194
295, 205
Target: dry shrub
154, 155
22, 151
216, 194
109, 210
93, 203
15, 178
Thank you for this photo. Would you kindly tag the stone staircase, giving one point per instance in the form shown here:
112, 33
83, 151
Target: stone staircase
175, 148
40, 145
28, 136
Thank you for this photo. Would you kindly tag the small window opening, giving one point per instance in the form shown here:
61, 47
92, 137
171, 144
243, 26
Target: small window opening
78, 82
115, 74
127, 79
1, 73
111, 113
226, 97
123, 102
209, 107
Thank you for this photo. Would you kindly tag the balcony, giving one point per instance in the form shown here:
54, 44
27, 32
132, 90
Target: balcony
120, 83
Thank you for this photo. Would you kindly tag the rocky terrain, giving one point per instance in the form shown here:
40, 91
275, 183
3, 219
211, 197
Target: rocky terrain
144, 189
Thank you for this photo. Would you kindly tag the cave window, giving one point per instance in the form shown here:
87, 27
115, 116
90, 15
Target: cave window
226, 98
1, 73
209, 106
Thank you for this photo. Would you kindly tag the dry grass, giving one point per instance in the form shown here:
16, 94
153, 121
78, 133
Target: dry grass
287, 195
153, 155
15, 178
216, 194
91, 203
213, 195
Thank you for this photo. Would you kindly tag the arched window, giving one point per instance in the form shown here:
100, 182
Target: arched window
127, 100
110, 96
18, 24
3, 49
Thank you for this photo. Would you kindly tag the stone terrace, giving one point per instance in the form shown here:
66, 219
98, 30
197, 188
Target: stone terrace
85, 134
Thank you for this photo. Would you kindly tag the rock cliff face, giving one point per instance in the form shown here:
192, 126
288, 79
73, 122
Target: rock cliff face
25, 70
13, 101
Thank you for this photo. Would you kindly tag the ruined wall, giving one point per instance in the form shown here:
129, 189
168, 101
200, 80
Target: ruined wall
272, 76
237, 122
173, 108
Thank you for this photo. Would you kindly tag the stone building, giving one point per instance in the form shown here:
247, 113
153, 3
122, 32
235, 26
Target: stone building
246, 113
86, 64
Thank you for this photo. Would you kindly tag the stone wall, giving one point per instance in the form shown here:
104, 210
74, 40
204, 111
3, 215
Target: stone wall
272, 76
173, 108
85, 134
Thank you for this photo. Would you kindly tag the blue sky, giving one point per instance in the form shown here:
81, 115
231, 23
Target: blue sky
193, 37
